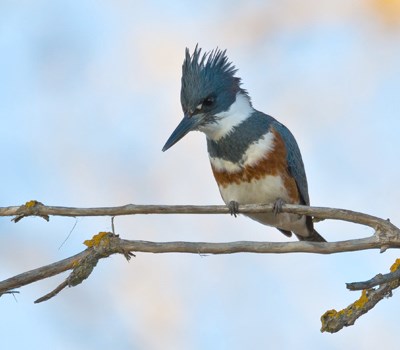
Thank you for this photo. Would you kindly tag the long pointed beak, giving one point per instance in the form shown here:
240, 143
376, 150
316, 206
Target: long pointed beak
187, 124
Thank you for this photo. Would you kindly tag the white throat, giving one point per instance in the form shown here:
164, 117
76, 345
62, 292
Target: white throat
239, 111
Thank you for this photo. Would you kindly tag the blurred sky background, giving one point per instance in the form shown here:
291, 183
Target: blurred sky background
89, 93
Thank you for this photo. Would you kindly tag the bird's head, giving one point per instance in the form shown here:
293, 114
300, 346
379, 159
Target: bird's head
209, 87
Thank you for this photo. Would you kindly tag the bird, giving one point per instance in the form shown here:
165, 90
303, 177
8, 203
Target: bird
254, 158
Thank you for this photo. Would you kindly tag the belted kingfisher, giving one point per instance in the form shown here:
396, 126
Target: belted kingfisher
254, 158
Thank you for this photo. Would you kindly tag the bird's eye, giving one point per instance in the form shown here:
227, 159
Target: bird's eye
205, 104
208, 101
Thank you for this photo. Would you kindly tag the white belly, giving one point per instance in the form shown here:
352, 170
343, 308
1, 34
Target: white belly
265, 191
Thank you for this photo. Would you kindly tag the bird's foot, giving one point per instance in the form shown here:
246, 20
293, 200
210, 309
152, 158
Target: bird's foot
233, 208
278, 204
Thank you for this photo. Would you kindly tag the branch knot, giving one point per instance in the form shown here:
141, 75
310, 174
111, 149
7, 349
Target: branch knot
30, 208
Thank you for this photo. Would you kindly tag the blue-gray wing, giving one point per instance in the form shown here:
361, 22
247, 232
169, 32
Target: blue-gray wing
294, 160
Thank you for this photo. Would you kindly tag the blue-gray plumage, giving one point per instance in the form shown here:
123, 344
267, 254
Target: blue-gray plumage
232, 146
254, 158
205, 77
295, 161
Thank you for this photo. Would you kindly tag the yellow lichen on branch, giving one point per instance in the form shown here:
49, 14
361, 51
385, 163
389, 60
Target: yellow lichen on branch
395, 266
30, 208
332, 319
99, 246
96, 240
32, 203
360, 303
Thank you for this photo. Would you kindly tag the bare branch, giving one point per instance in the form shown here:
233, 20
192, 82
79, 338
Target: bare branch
251, 247
89, 257
387, 234
102, 245
53, 293
34, 208
333, 321
384, 229
12, 292
40, 273
379, 279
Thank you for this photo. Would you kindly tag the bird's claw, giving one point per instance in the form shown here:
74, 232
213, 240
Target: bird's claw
278, 204
233, 208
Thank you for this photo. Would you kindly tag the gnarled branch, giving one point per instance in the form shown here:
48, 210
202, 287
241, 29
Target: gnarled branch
386, 235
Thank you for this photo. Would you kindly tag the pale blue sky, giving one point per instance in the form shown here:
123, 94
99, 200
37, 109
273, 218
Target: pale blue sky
89, 95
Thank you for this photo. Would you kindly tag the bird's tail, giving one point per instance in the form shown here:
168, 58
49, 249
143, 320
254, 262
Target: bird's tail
313, 237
